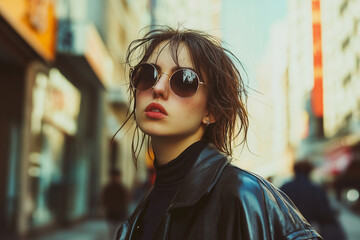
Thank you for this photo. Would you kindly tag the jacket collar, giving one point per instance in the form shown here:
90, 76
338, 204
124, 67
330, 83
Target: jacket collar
201, 178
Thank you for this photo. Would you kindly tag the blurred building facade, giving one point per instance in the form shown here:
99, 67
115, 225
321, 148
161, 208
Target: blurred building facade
62, 98
325, 46
320, 119
341, 60
201, 15
301, 68
274, 143
341, 48
123, 22
285, 78
321, 77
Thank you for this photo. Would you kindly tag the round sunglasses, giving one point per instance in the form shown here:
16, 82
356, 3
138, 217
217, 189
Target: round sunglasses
184, 82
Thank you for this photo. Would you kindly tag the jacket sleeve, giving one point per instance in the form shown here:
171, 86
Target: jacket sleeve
258, 210
122, 231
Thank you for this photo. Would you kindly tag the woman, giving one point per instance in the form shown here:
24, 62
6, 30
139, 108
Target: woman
188, 98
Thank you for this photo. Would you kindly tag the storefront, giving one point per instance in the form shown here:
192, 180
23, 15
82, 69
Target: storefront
28, 32
51, 125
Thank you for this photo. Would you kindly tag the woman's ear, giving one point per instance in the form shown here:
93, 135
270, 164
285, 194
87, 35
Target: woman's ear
208, 119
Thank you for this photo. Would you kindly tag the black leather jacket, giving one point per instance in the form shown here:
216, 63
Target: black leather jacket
220, 201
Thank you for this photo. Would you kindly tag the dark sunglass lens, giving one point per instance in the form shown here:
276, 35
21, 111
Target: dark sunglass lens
144, 77
184, 83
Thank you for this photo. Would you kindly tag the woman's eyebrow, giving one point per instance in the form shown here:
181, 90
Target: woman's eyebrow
173, 69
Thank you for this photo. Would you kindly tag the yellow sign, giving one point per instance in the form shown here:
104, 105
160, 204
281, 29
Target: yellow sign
34, 21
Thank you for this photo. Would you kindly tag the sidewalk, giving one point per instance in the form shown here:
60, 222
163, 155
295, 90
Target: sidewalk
90, 230
350, 222
97, 229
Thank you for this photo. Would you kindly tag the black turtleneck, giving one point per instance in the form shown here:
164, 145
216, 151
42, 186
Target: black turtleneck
168, 179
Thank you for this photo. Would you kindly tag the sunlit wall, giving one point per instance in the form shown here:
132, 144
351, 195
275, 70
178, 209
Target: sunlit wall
341, 56
202, 14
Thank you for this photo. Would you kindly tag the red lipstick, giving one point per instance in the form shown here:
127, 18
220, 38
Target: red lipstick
155, 111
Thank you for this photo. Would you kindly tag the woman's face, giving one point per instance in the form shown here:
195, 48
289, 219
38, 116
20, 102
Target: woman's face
178, 117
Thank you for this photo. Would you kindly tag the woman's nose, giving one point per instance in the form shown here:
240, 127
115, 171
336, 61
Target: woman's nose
161, 88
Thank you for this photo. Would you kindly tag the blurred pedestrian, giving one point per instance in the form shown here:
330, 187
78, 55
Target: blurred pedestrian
140, 189
313, 202
115, 200
189, 96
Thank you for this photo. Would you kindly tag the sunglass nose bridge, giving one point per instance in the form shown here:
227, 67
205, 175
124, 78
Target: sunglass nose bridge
164, 73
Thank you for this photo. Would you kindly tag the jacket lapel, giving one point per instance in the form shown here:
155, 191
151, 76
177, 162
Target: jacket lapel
201, 178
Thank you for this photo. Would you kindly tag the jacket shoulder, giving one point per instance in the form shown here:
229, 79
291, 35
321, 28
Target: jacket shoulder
238, 182
256, 198
246, 186
241, 178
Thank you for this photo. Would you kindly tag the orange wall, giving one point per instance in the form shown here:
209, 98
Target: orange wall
18, 13
317, 92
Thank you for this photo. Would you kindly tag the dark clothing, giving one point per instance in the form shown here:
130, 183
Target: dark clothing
217, 200
310, 199
115, 201
313, 203
168, 179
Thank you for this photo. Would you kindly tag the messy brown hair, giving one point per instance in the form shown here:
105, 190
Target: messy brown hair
227, 93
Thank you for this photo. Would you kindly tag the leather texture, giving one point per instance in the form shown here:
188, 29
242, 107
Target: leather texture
220, 201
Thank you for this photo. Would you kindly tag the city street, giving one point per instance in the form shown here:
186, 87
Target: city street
90, 230
102, 99
350, 223
97, 229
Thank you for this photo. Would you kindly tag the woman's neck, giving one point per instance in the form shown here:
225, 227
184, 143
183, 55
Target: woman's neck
167, 149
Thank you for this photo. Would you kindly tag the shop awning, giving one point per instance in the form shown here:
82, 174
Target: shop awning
80, 50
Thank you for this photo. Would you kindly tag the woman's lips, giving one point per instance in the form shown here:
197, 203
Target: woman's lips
155, 111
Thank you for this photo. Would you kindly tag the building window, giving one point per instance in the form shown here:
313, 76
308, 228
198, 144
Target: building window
345, 43
347, 80
348, 118
343, 7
